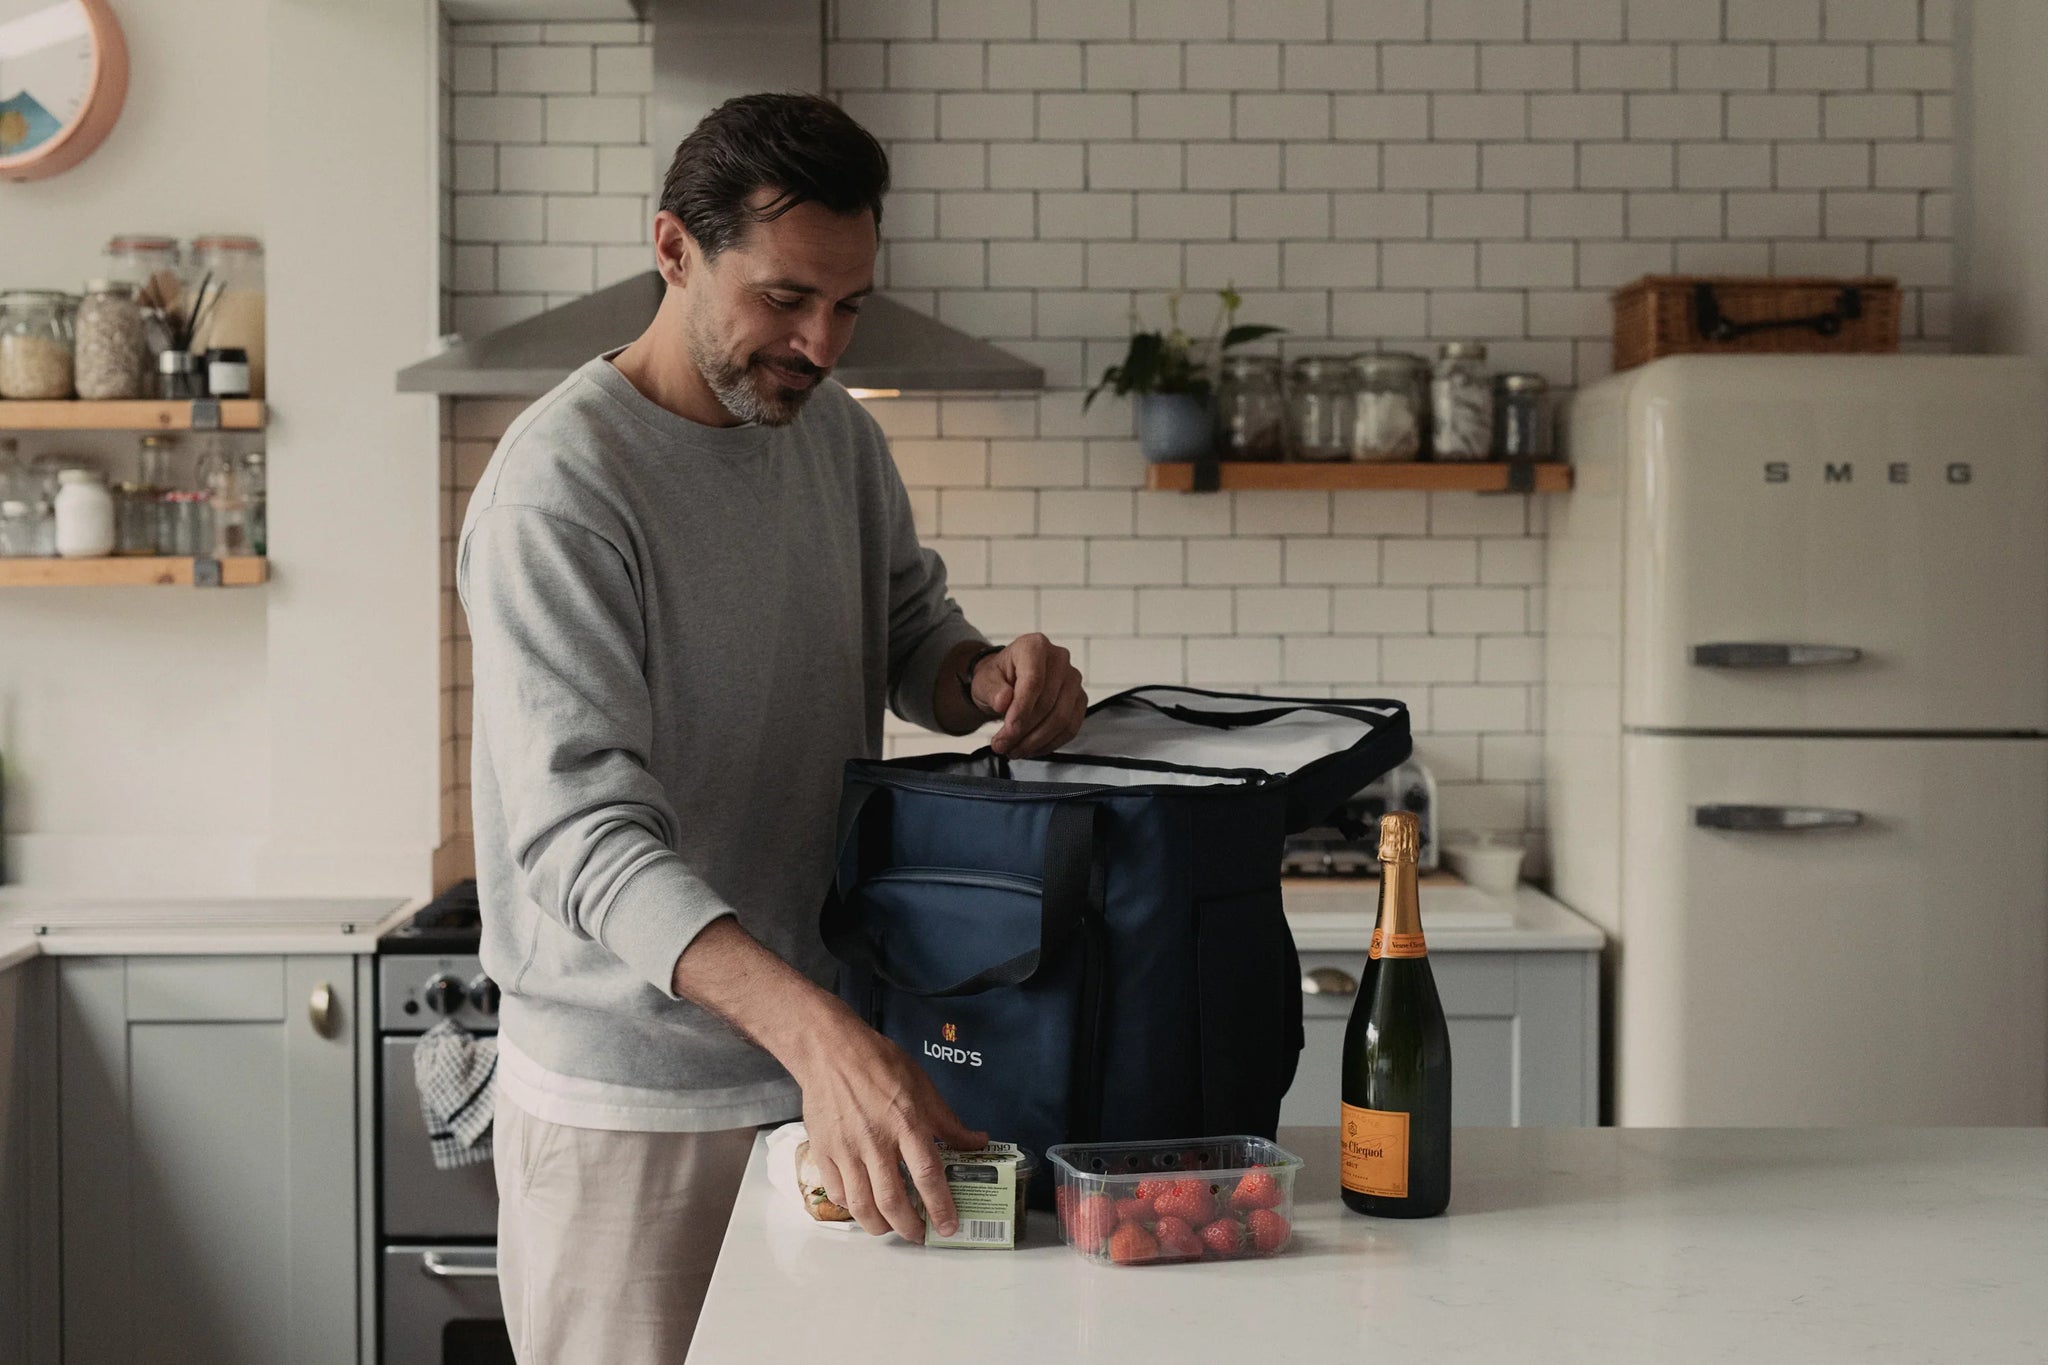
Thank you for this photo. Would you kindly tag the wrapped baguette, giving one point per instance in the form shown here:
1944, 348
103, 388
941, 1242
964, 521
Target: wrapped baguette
811, 1184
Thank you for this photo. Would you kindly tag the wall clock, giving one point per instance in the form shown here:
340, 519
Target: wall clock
63, 75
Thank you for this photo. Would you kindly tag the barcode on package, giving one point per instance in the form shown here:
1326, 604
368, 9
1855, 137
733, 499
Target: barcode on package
984, 1231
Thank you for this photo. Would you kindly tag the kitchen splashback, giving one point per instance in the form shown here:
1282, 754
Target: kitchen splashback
1368, 172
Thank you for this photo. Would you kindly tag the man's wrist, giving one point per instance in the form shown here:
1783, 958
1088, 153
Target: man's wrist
972, 662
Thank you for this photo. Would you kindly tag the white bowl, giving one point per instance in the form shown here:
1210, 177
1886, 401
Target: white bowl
1494, 868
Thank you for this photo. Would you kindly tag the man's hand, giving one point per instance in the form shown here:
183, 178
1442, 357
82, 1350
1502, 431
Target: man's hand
867, 1107
1037, 691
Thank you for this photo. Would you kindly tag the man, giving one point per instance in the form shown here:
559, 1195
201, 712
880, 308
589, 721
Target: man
693, 583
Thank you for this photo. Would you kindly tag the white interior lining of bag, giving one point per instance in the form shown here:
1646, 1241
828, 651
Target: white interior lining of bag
1135, 730
1044, 770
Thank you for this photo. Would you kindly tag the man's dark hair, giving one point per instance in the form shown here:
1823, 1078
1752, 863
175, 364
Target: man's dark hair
803, 148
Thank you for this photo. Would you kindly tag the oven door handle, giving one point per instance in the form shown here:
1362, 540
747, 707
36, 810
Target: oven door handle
475, 1265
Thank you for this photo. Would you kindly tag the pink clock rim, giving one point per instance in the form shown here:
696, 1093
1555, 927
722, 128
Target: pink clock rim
106, 93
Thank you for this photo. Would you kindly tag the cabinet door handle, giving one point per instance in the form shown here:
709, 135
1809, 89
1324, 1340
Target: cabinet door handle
1731, 654
1786, 819
320, 1009
1328, 981
482, 1265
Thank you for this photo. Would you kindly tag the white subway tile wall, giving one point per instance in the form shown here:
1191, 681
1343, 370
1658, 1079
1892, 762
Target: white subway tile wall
1370, 173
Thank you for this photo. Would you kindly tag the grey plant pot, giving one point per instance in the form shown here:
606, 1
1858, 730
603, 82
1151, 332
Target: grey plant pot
1172, 427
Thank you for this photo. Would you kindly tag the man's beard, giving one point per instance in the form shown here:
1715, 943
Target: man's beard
748, 391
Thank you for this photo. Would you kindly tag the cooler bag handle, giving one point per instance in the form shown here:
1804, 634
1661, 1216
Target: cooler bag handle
1235, 720
1070, 890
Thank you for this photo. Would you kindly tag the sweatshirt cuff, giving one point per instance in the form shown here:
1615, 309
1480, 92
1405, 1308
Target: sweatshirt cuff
654, 915
921, 671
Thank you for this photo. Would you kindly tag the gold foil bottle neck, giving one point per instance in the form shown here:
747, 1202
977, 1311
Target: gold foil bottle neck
1400, 837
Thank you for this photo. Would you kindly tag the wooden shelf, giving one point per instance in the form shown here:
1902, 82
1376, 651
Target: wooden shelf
133, 571
1471, 477
236, 414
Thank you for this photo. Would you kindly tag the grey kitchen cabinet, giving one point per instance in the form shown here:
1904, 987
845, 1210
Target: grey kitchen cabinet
208, 1127
28, 1164
1525, 1040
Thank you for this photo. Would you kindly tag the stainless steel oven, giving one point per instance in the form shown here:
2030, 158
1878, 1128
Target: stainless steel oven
437, 1230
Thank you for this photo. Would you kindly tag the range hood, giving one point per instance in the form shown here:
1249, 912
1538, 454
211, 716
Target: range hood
705, 52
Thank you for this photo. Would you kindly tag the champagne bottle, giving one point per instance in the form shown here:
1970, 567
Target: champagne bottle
1396, 1135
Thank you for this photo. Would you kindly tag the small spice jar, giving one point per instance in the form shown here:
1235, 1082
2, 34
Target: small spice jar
256, 493
110, 349
1389, 403
1521, 417
35, 343
1460, 402
17, 529
1319, 408
227, 372
1251, 416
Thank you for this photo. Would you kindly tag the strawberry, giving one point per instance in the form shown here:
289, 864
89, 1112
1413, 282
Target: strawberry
1094, 1218
1130, 1244
1224, 1237
1134, 1211
1177, 1240
1258, 1190
1189, 1199
1269, 1231
1150, 1190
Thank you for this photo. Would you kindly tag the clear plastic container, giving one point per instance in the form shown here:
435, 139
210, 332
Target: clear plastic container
1195, 1199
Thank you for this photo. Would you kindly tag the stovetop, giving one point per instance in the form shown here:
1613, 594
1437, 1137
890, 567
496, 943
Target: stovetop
452, 922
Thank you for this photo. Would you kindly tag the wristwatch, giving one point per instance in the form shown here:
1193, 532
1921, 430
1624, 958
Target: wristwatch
967, 673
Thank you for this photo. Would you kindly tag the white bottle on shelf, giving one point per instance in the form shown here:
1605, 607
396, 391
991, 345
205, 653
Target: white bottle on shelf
85, 515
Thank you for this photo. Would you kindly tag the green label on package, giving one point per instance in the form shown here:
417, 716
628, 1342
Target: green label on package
987, 1197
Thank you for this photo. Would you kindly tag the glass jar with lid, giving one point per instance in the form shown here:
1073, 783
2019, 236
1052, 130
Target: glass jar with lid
1391, 393
1521, 417
148, 262
109, 345
1460, 402
35, 343
1251, 415
1319, 408
234, 307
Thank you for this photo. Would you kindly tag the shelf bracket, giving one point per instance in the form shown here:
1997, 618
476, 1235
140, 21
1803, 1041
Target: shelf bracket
205, 570
1521, 477
1207, 474
206, 414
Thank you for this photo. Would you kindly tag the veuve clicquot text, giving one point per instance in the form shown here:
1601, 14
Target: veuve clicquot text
1396, 1135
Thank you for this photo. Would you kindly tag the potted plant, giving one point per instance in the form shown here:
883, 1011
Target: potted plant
1169, 371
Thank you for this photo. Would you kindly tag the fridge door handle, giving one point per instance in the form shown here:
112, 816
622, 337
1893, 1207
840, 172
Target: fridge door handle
1742, 654
1785, 819
454, 1265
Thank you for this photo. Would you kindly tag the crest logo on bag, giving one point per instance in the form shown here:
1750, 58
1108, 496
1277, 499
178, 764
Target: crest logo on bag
958, 1056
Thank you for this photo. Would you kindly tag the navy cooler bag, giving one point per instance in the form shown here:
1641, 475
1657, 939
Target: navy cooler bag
1089, 946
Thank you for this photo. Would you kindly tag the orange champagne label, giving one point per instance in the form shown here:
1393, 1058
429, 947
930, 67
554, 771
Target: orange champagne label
1385, 944
1374, 1143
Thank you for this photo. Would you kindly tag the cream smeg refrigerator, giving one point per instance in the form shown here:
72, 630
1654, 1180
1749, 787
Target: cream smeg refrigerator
1796, 715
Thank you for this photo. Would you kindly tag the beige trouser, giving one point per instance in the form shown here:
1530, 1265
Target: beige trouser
606, 1240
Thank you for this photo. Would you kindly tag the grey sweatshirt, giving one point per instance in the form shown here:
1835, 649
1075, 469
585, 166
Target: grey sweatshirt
680, 633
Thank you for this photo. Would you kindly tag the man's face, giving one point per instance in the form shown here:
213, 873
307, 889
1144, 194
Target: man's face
768, 318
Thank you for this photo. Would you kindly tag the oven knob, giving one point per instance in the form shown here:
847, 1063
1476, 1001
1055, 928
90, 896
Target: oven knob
444, 995
483, 993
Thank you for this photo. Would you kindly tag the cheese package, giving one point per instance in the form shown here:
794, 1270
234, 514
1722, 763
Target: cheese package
989, 1186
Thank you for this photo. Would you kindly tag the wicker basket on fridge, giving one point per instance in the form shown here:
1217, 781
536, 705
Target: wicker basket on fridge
1661, 315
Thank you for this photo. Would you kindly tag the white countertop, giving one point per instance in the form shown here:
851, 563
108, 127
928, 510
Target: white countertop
1327, 915
32, 924
1336, 914
1562, 1245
